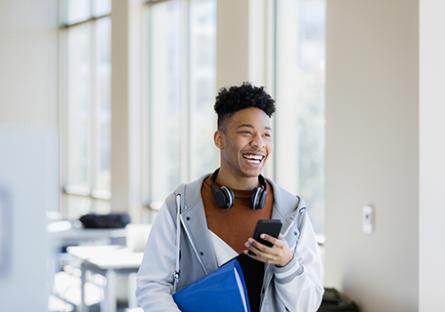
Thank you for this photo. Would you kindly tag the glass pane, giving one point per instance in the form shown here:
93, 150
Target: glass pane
103, 122
311, 117
164, 100
300, 95
78, 114
101, 206
202, 86
101, 7
77, 10
76, 206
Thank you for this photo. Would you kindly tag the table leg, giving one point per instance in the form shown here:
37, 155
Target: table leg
83, 278
109, 303
132, 290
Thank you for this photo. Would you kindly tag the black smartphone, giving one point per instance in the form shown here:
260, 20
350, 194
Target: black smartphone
270, 227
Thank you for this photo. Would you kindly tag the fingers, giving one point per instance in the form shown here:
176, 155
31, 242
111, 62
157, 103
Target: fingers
262, 252
262, 257
258, 246
276, 242
277, 254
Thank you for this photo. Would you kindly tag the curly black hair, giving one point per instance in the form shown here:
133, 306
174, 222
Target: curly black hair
236, 98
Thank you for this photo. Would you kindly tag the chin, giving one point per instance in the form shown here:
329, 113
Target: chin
252, 173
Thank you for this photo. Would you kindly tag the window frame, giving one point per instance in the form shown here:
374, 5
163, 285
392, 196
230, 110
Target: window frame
94, 195
280, 138
186, 105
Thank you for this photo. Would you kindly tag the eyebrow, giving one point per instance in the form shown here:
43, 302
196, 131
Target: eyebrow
250, 126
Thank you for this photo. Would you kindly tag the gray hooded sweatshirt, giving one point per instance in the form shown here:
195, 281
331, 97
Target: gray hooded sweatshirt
294, 287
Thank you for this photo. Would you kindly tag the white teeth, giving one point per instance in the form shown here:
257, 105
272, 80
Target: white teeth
253, 157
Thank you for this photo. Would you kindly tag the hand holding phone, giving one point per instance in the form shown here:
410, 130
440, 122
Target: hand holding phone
270, 227
280, 254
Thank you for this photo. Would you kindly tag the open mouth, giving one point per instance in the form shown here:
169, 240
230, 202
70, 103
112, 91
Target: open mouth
253, 158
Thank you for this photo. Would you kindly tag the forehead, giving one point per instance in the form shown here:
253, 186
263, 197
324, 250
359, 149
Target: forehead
249, 116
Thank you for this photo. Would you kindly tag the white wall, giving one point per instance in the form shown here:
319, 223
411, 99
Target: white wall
126, 101
232, 42
28, 63
28, 147
120, 147
372, 151
432, 156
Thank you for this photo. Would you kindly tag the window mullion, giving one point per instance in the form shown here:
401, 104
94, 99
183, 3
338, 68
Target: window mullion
185, 90
94, 111
149, 115
272, 18
187, 86
63, 115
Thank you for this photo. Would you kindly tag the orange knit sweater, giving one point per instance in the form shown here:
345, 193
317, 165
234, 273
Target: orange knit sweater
234, 225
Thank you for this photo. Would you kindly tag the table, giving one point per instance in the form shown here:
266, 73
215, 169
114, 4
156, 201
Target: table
108, 261
63, 233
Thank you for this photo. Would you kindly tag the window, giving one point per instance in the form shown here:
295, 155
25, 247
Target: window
299, 86
86, 111
180, 89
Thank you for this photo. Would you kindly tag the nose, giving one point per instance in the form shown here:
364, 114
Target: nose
258, 142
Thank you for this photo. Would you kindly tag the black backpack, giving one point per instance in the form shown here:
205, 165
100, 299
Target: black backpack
334, 302
105, 221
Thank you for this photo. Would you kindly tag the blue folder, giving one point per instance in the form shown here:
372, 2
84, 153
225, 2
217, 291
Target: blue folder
220, 291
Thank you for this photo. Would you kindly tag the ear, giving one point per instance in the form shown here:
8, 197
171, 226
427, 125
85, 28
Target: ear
218, 139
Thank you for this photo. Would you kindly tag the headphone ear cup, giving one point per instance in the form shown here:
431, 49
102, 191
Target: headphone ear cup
258, 198
229, 196
263, 198
219, 197
223, 196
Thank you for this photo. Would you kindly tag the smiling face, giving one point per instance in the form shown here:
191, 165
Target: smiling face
245, 142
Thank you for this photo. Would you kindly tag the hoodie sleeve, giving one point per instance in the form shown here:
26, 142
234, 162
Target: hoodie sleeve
298, 284
155, 276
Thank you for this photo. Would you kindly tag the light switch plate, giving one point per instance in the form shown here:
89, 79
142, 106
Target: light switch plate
368, 219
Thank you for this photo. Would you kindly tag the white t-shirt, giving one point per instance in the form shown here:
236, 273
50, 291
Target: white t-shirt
223, 251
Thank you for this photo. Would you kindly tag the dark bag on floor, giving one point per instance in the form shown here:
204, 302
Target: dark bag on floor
333, 302
105, 221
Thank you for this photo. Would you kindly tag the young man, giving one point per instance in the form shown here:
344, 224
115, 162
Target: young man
219, 214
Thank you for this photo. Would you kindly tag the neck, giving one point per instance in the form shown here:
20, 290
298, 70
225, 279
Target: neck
236, 182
